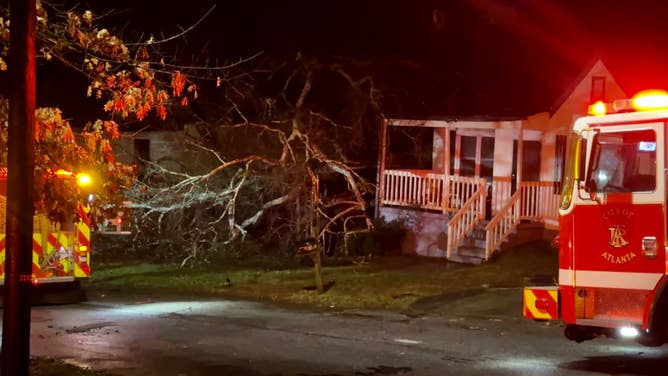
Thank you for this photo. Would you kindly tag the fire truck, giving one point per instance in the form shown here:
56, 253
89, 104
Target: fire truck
612, 278
60, 251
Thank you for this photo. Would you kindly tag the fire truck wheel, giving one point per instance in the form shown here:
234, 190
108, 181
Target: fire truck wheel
578, 333
651, 340
659, 334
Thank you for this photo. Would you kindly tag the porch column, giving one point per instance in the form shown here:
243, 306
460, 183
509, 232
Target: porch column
446, 166
380, 175
520, 155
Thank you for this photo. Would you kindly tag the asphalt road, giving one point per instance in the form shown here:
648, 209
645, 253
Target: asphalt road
478, 335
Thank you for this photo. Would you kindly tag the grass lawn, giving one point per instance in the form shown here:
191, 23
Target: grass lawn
392, 283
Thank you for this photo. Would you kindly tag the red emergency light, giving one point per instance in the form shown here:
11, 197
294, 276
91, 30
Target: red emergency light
647, 100
650, 100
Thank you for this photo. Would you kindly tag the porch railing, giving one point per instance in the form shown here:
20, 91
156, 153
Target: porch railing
427, 190
535, 201
539, 201
502, 224
466, 196
466, 219
417, 188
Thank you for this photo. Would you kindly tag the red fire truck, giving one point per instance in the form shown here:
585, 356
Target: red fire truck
612, 227
60, 251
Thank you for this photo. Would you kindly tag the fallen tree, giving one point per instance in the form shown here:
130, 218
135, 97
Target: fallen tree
291, 150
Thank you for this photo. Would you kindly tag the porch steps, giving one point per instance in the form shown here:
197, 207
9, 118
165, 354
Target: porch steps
469, 255
472, 249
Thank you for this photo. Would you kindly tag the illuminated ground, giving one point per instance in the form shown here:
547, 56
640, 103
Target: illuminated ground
192, 337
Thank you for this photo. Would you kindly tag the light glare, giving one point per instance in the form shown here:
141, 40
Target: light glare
628, 332
651, 99
83, 179
598, 109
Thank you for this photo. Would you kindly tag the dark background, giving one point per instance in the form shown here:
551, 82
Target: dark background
466, 57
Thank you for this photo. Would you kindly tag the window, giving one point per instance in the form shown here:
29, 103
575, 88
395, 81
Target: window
410, 148
487, 158
468, 155
559, 160
597, 89
623, 162
476, 156
142, 154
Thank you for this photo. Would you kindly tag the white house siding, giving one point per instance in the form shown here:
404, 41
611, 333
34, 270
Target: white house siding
165, 148
573, 107
438, 150
503, 165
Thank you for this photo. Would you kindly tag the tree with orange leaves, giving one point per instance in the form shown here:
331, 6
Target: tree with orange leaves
129, 80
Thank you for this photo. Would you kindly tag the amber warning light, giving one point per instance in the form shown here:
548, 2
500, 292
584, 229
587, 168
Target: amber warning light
599, 108
83, 179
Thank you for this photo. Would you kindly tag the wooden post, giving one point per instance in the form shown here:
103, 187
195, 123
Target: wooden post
380, 176
446, 184
317, 261
15, 356
520, 156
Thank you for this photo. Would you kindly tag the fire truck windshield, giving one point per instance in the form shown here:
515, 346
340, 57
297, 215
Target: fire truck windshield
622, 162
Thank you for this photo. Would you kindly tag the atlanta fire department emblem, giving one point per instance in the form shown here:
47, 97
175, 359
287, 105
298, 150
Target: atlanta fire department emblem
618, 221
617, 234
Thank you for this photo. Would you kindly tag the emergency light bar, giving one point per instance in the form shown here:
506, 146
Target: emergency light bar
647, 100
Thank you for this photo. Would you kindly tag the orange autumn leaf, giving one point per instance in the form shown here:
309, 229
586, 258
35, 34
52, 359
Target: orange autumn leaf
178, 83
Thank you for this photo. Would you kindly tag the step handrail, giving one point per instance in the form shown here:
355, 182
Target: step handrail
503, 223
466, 219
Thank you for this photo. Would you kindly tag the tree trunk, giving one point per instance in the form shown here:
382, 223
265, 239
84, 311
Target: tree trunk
317, 260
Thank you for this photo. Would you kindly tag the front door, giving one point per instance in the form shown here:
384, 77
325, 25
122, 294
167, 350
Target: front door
474, 156
530, 162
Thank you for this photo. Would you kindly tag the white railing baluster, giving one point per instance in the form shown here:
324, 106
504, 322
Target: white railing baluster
471, 212
535, 201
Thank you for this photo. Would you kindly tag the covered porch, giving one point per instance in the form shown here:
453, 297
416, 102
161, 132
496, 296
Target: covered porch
467, 185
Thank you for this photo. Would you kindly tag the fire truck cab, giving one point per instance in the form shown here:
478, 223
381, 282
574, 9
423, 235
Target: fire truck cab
612, 226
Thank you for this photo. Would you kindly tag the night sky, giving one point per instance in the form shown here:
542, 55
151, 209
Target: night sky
502, 56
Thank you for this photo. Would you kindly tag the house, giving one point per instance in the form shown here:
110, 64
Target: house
461, 187
163, 147
151, 150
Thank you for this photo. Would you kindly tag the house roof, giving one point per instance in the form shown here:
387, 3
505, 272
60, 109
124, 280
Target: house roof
576, 81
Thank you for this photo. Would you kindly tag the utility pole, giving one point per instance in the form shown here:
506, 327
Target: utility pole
15, 356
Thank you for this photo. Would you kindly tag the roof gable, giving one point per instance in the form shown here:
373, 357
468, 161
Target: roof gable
574, 101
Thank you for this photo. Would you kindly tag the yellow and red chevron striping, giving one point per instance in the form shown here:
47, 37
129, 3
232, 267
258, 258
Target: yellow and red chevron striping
37, 255
2, 256
541, 303
82, 251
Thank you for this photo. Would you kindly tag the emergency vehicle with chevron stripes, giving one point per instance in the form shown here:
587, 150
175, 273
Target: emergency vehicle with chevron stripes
60, 251
613, 269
